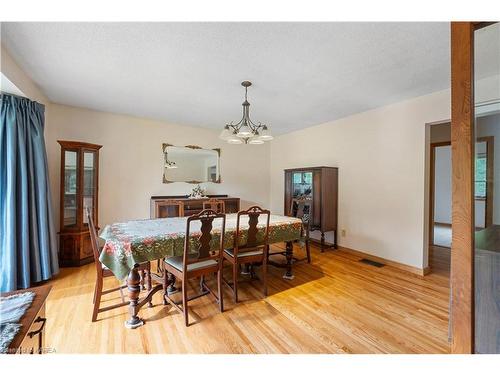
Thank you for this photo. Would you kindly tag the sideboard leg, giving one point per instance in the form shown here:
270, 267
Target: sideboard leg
322, 241
134, 288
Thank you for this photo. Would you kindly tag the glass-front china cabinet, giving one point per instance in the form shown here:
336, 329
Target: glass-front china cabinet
79, 190
319, 185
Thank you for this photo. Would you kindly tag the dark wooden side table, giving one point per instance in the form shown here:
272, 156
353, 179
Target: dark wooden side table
31, 337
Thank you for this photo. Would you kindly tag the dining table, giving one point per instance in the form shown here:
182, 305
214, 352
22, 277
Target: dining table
127, 244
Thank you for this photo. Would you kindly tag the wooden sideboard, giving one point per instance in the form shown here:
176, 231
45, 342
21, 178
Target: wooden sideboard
31, 337
159, 205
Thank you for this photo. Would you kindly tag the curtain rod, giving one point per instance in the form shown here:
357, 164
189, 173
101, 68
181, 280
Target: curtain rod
23, 97
17, 96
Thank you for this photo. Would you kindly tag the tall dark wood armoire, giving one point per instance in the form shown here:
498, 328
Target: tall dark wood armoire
79, 190
319, 184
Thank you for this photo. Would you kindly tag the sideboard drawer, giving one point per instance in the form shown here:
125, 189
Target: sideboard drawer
30, 338
33, 342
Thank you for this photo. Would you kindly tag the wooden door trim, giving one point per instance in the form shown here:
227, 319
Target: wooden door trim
462, 144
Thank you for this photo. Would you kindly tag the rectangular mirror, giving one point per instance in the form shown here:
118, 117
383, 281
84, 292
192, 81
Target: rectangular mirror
190, 164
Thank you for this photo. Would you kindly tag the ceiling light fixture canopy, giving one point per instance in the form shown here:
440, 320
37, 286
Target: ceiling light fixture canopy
245, 131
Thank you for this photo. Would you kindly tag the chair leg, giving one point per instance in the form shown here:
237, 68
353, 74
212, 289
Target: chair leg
235, 281
219, 290
97, 303
148, 285
308, 252
165, 286
202, 280
185, 302
264, 277
95, 292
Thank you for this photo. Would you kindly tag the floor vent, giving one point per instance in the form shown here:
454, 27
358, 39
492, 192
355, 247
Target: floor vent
372, 263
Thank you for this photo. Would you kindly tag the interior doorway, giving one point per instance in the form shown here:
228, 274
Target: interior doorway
440, 193
440, 189
439, 255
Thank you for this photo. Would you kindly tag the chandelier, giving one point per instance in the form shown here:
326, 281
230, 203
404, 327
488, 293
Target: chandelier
245, 131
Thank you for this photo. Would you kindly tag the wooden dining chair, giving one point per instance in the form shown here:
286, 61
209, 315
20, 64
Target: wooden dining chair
302, 209
102, 272
254, 250
216, 205
197, 262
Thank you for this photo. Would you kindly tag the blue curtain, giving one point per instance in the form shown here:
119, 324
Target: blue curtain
28, 243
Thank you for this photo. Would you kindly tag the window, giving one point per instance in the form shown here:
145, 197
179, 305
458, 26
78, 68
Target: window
480, 180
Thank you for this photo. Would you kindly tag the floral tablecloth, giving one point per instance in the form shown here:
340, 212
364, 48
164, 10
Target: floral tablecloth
139, 241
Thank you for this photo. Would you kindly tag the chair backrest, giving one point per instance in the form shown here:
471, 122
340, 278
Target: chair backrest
204, 250
301, 209
93, 238
216, 205
168, 204
252, 238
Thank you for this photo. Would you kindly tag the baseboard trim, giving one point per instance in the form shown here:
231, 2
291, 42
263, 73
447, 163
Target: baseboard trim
400, 266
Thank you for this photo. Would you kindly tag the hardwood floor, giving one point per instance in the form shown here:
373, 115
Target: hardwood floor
334, 305
440, 260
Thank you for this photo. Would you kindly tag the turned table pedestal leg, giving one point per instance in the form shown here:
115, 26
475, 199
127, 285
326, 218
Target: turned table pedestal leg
171, 283
134, 289
289, 258
246, 269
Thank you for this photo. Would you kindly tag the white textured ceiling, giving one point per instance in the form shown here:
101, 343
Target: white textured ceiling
190, 73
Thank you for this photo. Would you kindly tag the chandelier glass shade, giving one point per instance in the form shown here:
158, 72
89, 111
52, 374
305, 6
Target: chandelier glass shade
245, 131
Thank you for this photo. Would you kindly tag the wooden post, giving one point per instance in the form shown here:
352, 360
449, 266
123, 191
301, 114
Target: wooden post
462, 144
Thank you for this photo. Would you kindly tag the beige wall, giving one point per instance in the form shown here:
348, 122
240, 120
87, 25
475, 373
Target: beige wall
381, 155
131, 160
